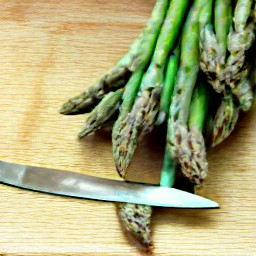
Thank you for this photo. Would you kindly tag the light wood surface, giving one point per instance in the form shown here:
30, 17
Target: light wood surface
52, 50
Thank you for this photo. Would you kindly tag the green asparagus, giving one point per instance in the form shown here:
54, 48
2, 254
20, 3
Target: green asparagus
214, 46
187, 145
169, 166
137, 58
225, 120
152, 83
143, 115
169, 81
240, 39
102, 112
223, 22
137, 220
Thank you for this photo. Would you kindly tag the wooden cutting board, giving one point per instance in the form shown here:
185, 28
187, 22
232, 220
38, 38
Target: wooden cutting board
52, 50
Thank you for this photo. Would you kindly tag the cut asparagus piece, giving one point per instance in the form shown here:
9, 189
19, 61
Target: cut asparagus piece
137, 58
102, 112
143, 115
137, 220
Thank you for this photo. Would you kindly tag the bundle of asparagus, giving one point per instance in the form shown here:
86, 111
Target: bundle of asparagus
165, 79
223, 59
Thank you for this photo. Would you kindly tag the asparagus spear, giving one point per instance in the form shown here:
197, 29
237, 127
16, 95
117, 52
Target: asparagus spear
169, 167
239, 98
240, 39
210, 57
142, 117
169, 81
140, 226
225, 120
214, 46
223, 22
229, 73
137, 58
129, 97
236, 74
102, 112
137, 218
196, 124
187, 143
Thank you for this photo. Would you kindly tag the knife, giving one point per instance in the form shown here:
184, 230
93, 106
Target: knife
78, 185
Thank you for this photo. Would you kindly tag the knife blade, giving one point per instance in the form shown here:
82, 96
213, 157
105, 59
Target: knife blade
78, 185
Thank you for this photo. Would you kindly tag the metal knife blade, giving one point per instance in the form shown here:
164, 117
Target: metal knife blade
84, 186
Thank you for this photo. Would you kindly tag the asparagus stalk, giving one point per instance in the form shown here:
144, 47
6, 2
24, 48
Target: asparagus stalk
169, 81
187, 143
143, 115
214, 46
140, 225
134, 217
196, 123
137, 218
169, 167
137, 58
223, 22
236, 74
129, 97
240, 39
102, 112
225, 73
240, 98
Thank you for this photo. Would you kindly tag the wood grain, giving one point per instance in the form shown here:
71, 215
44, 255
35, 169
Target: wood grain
52, 50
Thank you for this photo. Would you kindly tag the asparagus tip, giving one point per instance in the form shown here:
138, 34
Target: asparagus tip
66, 108
137, 220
